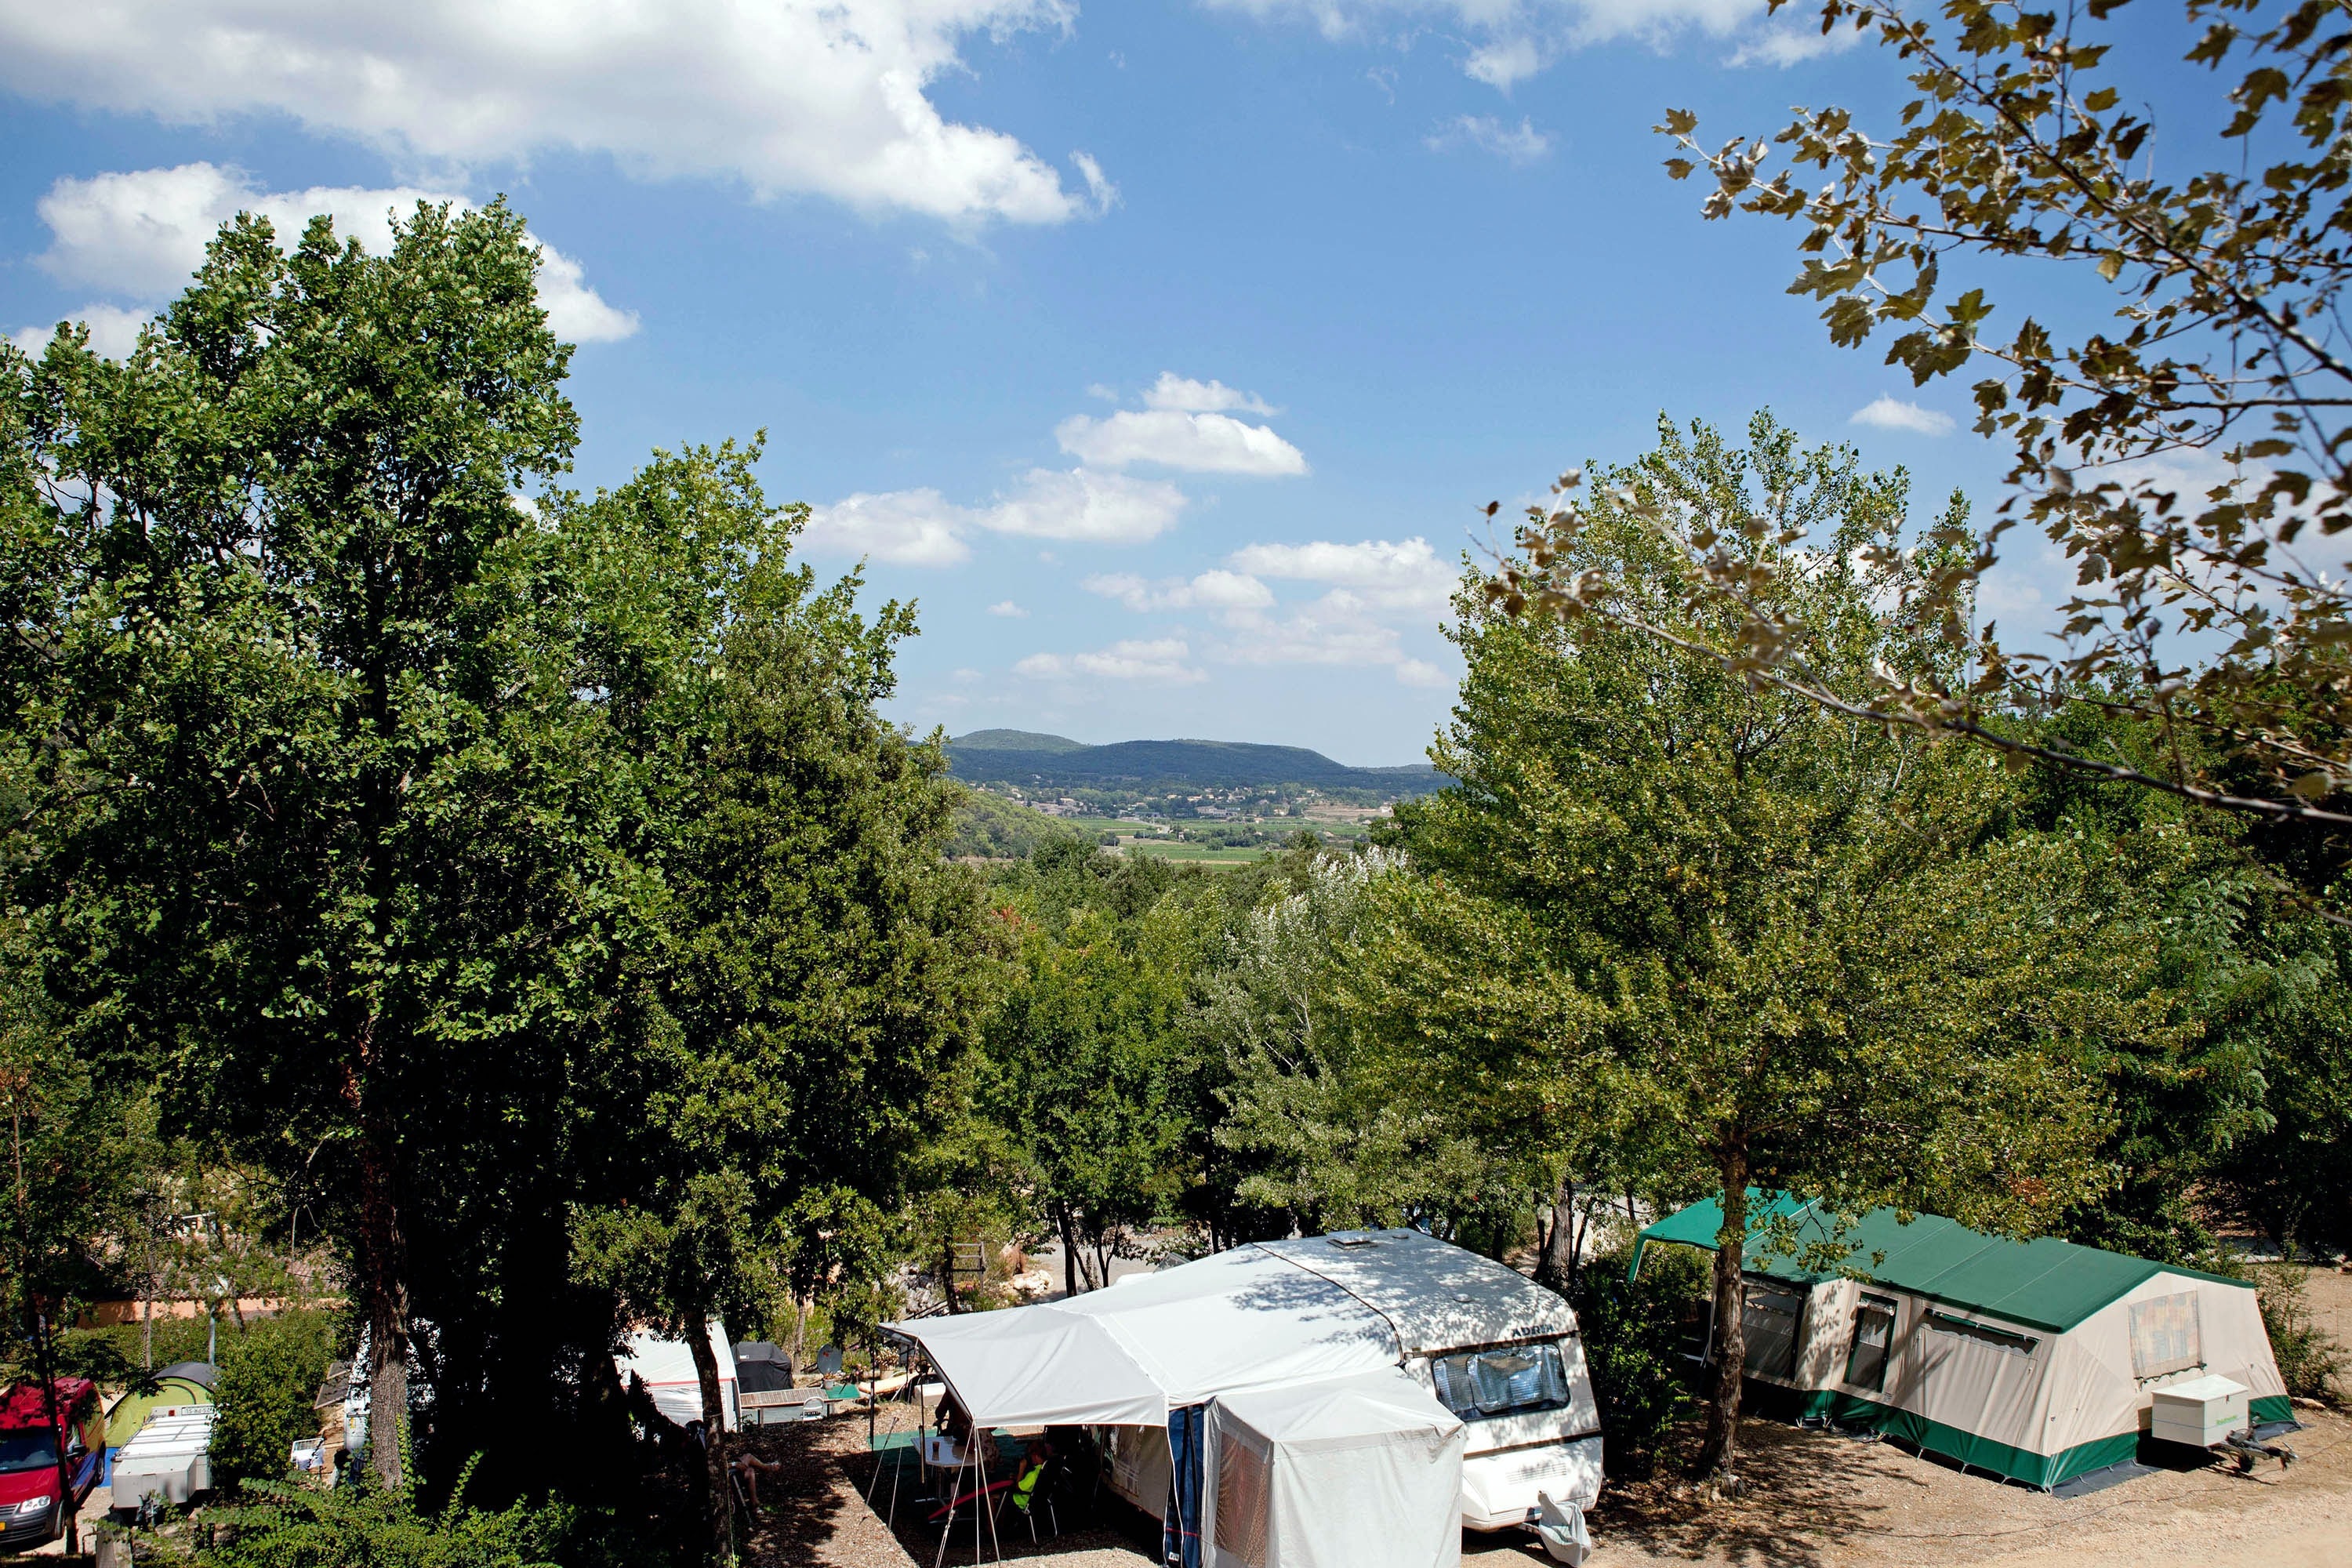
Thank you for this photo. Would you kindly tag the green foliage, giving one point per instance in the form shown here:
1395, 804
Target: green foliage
1333, 1124
268, 1375
2310, 1363
1635, 1333
2029, 141
362, 1526
992, 827
1792, 947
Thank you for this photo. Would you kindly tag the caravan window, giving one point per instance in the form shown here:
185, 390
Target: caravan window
1502, 1382
1772, 1318
2164, 1335
1873, 1331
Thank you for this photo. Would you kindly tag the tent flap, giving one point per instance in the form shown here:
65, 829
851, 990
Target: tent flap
1363, 1472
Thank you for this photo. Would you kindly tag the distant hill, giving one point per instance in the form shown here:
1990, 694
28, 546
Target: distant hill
1018, 757
1016, 741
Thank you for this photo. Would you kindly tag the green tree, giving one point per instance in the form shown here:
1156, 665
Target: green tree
325, 853
1336, 1125
1091, 1072
1814, 965
808, 962
268, 1375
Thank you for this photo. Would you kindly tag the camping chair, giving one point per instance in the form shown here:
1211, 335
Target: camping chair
1033, 1487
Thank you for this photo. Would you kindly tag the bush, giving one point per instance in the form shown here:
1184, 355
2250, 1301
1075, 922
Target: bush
287, 1526
2309, 1362
268, 1375
1633, 1331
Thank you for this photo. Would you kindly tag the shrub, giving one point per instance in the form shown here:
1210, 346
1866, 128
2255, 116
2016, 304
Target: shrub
287, 1526
268, 1375
2309, 1362
1632, 1332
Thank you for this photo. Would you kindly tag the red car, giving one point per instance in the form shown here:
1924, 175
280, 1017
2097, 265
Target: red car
29, 1515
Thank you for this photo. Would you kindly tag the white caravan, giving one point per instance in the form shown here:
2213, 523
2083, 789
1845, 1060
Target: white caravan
1498, 1352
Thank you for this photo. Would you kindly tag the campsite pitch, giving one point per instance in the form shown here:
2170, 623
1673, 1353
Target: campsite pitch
1818, 1501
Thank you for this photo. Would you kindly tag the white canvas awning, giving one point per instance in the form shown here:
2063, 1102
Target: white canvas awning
1040, 1366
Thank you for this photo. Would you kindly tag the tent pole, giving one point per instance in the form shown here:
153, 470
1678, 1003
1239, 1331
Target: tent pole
947, 1530
992, 1540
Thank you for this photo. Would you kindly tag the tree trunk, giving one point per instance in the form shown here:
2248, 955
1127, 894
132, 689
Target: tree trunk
147, 1308
1556, 1263
946, 1275
714, 1438
1069, 1248
1722, 1448
384, 1292
68, 1524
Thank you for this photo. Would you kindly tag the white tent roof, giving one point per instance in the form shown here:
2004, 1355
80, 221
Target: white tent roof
1255, 1317
1363, 1408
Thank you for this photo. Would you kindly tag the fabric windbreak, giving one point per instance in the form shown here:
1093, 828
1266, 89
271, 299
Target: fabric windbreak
1363, 1472
2166, 1335
1244, 1497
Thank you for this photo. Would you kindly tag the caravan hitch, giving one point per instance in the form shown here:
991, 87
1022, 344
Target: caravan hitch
2248, 1449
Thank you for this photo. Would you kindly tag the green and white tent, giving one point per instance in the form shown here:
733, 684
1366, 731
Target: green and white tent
2036, 1361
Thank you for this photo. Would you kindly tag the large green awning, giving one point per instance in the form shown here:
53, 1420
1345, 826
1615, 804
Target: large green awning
2045, 1284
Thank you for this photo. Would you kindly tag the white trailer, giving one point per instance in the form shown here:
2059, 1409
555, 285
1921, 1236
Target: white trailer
170, 1458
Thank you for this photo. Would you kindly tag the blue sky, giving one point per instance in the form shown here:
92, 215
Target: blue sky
1165, 351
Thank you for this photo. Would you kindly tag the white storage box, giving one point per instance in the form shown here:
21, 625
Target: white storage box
170, 1458
2202, 1413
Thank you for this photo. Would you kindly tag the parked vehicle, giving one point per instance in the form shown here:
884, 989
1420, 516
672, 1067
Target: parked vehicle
32, 1512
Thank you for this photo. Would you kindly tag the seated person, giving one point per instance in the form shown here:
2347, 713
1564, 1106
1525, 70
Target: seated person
749, 1467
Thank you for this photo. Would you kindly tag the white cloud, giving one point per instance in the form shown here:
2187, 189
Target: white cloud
1158, 659
823, 97
1189, 396
1194, 443
1340, 628
1101, 195
904, 527
923, 528
1504, 62
1519, 144
1232, 592
1786, 44
1889, 413
1009, 610
1087, 506
1406, 576
113, 331
141, 233
1511, 40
